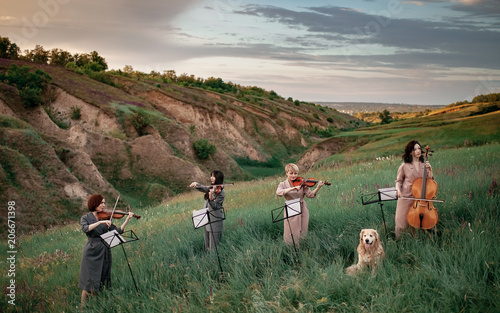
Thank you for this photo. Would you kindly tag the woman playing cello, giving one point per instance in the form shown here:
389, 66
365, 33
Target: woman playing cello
411, 169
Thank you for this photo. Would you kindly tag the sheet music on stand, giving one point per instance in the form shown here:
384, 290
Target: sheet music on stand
204, 216
200, 218
382, 195
291, 208
387, 194
113, 238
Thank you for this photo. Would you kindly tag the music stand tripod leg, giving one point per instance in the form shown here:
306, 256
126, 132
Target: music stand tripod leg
291, 235
216, 250
383, 218
130, 269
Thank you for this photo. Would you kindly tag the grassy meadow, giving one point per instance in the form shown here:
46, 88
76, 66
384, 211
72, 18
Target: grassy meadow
455, 270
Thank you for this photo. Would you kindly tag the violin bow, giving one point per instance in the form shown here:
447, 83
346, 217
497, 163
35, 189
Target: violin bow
220, 185
213, 186
114, 208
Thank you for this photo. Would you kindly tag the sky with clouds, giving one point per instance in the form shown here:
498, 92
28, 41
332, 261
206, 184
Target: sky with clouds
395, 51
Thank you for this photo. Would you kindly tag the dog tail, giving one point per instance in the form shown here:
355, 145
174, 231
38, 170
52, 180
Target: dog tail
351, 270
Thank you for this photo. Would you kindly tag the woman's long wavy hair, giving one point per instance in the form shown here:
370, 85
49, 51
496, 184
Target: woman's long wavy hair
407, 157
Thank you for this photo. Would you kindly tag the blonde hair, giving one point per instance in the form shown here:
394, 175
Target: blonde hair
291, 167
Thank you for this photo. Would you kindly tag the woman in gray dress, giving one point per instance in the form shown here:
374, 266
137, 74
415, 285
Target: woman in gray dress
95, 268
214, 199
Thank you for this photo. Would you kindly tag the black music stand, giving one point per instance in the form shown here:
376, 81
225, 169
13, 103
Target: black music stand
290, 209
383, 194
205, 217
113, 238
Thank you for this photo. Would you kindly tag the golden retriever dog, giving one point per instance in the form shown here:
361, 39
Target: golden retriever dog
370, 252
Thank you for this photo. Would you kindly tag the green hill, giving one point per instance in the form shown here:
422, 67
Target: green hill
460, 126
139, 137
454, 270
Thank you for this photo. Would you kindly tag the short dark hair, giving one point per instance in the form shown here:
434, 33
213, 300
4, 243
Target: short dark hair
407, 157
94, 201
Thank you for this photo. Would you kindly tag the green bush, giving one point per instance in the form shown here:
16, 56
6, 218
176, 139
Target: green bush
99, 76
204, 148
71, 66
31, 96
75, 113
140, 121
324, 133
29, 84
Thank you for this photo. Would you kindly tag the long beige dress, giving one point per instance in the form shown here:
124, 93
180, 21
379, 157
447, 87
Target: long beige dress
406, 175
299, 224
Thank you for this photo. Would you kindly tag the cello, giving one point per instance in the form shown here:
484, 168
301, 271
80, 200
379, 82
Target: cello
423, 214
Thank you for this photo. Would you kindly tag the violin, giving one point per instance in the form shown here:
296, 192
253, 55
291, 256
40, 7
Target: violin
106, 215
423, 214
310, 182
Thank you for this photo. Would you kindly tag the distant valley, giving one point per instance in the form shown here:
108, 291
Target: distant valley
357, 107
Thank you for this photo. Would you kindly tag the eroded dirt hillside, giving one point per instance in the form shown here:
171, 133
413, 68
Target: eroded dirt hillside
52, 158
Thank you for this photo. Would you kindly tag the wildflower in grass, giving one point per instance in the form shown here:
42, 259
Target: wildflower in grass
470, 195
493, 188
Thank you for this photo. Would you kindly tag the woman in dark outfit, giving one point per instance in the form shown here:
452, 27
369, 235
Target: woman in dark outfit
214, 199
95, 268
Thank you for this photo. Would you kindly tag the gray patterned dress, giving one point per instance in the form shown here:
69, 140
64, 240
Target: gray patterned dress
95, 268
213, 231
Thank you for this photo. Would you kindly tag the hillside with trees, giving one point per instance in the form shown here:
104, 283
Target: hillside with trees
462, 125
401, 112
69, 128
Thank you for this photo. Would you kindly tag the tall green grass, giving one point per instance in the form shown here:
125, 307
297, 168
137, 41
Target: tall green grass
455, 270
